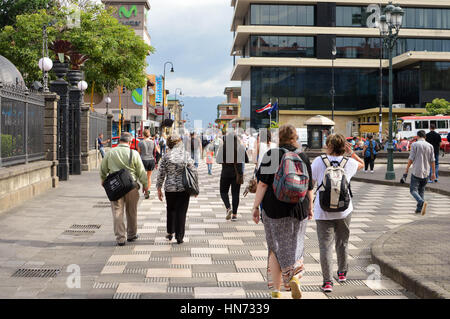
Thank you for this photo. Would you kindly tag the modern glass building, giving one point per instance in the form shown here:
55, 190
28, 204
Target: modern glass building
284, 51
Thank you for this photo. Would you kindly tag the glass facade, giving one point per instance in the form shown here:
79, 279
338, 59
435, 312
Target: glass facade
294, 15
309, 89
415, 18
364, 48
432, 45
282, 46
435, 76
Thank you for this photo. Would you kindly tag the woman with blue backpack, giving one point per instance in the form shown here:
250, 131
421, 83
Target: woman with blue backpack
370, 153
333, 206
285, 192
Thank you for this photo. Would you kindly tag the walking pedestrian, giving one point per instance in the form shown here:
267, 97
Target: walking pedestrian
284, 223
196, 148
263, 144
421, 158
162, 144
370, 153
333, 204
210, 157
232, 156
101, 146
117, 159
251, 148
147, 149
434, 139
170, 174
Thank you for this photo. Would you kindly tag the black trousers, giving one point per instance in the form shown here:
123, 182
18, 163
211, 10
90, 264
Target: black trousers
369, 162
225, 183
177, 206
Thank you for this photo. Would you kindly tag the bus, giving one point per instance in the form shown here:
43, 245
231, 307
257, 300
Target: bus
410, 125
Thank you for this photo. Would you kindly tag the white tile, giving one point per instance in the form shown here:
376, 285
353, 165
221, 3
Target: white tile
142, 287
245, 277
152, 248
218, 292
129, 258
239, 234
250, 263
259, 253
210, 250
113, 269
230, 242
201, 226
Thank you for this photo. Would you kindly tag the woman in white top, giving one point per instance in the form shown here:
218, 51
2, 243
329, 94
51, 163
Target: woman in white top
334, 226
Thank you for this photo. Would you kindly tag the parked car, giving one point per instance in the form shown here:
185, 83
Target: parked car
115, 142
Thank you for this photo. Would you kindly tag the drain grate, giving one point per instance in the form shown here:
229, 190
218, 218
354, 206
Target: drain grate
86, 226
248, 270
310, 288
72, 232
37, 272
105, 285
312, 273
388, 292
353, 282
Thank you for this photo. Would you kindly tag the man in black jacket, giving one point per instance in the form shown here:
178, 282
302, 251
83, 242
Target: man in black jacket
434, 139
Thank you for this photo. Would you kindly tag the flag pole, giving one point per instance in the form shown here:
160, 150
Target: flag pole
270, 115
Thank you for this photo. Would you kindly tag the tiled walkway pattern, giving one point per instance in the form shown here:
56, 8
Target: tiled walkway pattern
224, 259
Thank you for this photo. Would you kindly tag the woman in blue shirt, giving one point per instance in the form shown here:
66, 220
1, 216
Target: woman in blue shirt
370, 153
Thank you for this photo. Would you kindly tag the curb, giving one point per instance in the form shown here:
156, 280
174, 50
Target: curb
405, 276
395, 183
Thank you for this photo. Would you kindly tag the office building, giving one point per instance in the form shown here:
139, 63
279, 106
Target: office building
284, 53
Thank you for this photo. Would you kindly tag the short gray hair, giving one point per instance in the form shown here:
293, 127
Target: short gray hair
126, 137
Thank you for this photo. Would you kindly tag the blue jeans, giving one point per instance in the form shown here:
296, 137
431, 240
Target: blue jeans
436, 158
102, 151
209, 169
417, 190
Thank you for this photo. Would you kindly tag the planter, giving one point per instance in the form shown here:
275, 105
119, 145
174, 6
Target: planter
74, 76
60, 69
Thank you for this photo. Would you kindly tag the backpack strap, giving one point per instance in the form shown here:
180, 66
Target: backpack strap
131, 157
343, 162
325, 160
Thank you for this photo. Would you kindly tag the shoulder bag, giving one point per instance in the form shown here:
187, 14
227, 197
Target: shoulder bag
190, 181
119, 183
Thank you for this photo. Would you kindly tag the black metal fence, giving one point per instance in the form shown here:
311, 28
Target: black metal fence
98, 123
21, 125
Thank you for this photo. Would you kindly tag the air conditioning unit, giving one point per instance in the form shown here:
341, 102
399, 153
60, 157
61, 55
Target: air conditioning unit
398, 106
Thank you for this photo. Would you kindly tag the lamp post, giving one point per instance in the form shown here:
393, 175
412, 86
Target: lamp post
390, 24
45, 64
107, 101
164, 91
332, 91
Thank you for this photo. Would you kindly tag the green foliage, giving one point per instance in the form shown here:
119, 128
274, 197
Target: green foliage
438, 106
117, 56
9, 9
8, 145
274, 124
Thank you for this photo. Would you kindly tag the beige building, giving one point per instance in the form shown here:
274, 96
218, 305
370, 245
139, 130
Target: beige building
284, 53
229, 111
175, 107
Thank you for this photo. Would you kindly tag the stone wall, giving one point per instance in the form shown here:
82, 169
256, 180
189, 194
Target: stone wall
22, 182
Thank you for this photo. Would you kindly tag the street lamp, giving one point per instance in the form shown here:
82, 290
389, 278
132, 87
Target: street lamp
332, 91
45, 64
107, 101
390, 24
164, 90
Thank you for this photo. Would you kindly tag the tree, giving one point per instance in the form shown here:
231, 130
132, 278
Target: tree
438, 106
9, 9
117, 56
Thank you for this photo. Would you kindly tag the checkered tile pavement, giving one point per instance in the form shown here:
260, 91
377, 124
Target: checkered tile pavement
224, 259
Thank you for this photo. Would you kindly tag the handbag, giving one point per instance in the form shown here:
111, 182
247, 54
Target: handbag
239, 177
251, 186
190, 181
119, 183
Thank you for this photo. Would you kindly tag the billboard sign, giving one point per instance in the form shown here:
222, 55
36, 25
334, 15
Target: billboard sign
159, 89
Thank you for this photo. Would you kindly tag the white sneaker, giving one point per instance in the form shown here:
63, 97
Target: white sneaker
365, 171
371, 172
229, 212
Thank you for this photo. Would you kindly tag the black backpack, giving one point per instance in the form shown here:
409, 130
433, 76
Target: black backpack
119, 183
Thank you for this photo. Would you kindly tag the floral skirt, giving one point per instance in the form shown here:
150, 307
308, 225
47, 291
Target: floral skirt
286, 240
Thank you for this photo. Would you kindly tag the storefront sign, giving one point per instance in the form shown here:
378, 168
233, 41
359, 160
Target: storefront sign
159, 89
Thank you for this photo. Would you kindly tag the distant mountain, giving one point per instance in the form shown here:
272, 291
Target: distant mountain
201, 109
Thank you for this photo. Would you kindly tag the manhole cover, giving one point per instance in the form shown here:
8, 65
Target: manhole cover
37, 272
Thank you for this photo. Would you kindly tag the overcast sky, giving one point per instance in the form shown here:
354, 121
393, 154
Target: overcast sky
195, 35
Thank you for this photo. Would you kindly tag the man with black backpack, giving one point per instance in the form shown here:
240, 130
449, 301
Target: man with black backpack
370, 150
333, 204
126, 167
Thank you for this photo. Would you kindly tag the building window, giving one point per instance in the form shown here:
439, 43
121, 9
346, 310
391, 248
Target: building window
282, 46
365, 48
292, 15
435, 76
415, 18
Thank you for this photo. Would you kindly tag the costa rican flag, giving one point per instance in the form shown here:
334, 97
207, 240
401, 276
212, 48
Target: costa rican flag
265, 108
